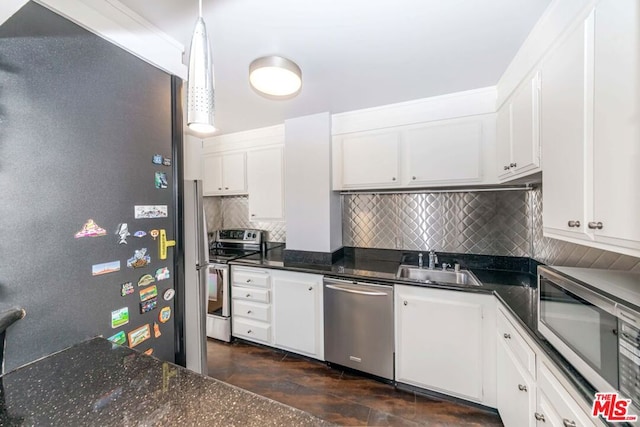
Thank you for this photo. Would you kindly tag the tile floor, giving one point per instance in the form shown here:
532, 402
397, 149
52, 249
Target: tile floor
340, 397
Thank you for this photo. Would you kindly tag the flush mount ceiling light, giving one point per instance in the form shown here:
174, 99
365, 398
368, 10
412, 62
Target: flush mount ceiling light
200, 111
275, 76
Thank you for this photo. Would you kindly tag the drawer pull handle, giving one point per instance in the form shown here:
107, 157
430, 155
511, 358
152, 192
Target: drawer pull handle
568, 423
248, 295
573, 223
249, 331
506, 336
506, 168
248, 311
513, 165
595, 225
539, 417
522, 387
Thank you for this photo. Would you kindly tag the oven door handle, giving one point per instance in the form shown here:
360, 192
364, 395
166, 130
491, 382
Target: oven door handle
355, 291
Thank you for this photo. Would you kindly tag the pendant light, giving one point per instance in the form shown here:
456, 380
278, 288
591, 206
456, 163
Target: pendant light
200, 104
275, 77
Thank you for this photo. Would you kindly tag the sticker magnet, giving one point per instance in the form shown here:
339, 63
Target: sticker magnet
165, 314
162, 274
139, 259
149, 305
148, 352
168, 294
150, 211
156, 330
139, 234
161, 180
119, 317
139, 335
166, 161
105, 268
126, 289
122, 232
148, 293
154, 234
119, 338
146, 280
157, 159
90, 229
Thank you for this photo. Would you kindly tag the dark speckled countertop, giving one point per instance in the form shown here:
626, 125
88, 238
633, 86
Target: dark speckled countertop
512, 280
97, 383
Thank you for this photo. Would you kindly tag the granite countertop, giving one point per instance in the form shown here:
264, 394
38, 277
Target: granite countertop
104, 384
513, 282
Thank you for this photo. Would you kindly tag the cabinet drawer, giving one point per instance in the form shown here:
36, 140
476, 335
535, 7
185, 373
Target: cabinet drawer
249, 329
252, 310
251, 294
508, 334
250, 278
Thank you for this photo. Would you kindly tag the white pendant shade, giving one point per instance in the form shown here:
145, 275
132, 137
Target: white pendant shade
200, 102
275, 76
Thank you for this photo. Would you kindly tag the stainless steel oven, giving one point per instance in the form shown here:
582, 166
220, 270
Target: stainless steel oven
594, 330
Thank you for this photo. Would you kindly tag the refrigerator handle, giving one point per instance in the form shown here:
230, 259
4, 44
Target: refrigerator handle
202, 257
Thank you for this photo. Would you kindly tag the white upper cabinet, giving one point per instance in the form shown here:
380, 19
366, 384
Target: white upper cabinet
265, 181
370, 159
224, 174
518, 132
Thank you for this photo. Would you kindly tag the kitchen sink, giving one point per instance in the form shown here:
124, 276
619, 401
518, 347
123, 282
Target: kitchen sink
425, 275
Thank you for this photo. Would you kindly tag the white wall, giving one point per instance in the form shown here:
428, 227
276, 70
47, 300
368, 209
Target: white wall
312, 209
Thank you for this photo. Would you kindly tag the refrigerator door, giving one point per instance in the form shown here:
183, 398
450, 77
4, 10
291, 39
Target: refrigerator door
196, 265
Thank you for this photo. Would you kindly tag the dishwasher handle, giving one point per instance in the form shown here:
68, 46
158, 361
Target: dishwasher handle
355, 291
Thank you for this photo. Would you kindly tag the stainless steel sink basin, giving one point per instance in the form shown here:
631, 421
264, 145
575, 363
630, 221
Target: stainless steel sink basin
462, 277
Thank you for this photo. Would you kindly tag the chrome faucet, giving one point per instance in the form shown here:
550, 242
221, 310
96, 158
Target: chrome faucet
433, 260
420, 260
445, 266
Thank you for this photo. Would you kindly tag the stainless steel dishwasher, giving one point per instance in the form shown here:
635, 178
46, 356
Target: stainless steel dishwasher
358, 326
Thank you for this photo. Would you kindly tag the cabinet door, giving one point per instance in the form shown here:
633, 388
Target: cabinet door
516, 393
503, 140
525, 131
212, 175
297, 315
370, 159
616, 127
439, 342
563, 137
234, 173
264, 176
443, 153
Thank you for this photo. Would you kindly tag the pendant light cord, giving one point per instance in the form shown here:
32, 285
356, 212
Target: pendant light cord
200, 8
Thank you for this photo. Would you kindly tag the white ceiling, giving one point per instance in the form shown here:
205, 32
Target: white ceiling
353, 53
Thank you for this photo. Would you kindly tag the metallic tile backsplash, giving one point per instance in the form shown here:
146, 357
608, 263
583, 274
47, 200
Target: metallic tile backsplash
505, 223
233, 212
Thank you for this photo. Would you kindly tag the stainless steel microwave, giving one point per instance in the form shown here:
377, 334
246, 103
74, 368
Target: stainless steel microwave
591, 325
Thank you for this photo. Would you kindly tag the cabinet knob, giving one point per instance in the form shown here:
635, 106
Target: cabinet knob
506, 168
506, 336
248, 295
253, 215
413, 178
405, 303
249, 331
513, 165
595, 225
219, 188
226, 188
248, 280
248, 311
539, 417
573, 223
568, 423
310, 288
522, 387
393, 178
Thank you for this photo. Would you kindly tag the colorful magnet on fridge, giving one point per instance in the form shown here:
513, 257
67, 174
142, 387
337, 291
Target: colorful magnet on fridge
122, 232
139, 259
157, 159
105, 268
119, 317
146, 280
148, 293
162, 274
166, 161
119, 338
90, 229
150, 211
126, 289
148, 305
156, 330
154, 234
139, 335
168, 294
148, 352
161, 180
165, 314
139, 234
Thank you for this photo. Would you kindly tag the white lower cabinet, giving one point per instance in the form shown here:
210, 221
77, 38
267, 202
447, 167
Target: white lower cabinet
297, 316
516, 394
445, 342
251, 304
